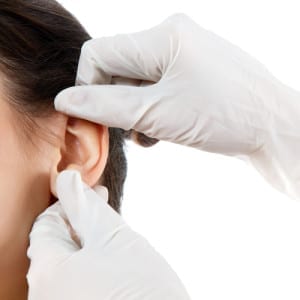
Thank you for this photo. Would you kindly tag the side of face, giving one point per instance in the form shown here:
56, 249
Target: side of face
27, 182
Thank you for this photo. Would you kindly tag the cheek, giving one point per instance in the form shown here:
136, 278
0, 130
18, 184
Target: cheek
24, 194
13, 168
24, 184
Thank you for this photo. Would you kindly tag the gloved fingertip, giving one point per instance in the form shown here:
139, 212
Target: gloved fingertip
67, 178
62, 99
102, 191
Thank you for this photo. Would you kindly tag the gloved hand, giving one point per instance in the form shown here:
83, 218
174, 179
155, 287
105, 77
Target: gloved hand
80, 248
207, 93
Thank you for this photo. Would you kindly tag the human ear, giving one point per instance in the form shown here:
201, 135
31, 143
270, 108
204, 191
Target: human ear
84, 147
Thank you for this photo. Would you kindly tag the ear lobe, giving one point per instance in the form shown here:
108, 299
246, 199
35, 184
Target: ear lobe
85, 149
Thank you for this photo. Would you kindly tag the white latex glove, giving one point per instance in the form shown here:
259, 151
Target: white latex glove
109, 261
207, 93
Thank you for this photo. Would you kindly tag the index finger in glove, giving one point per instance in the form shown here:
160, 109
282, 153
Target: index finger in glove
87, 210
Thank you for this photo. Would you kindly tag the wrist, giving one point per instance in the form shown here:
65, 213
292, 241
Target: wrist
286, 109
277, 159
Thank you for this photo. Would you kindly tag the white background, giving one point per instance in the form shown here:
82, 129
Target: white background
226, 232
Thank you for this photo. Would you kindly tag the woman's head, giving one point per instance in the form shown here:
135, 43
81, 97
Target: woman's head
40, 44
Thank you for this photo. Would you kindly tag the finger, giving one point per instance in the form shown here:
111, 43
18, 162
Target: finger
50, 240
111, 105
125, 81
102, 192
88, 212
141, 55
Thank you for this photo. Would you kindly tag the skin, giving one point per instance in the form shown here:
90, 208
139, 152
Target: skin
25, 187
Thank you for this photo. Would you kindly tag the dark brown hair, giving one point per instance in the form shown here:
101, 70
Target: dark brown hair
40, 45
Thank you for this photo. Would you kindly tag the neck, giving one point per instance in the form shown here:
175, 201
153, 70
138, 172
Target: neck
13, 270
